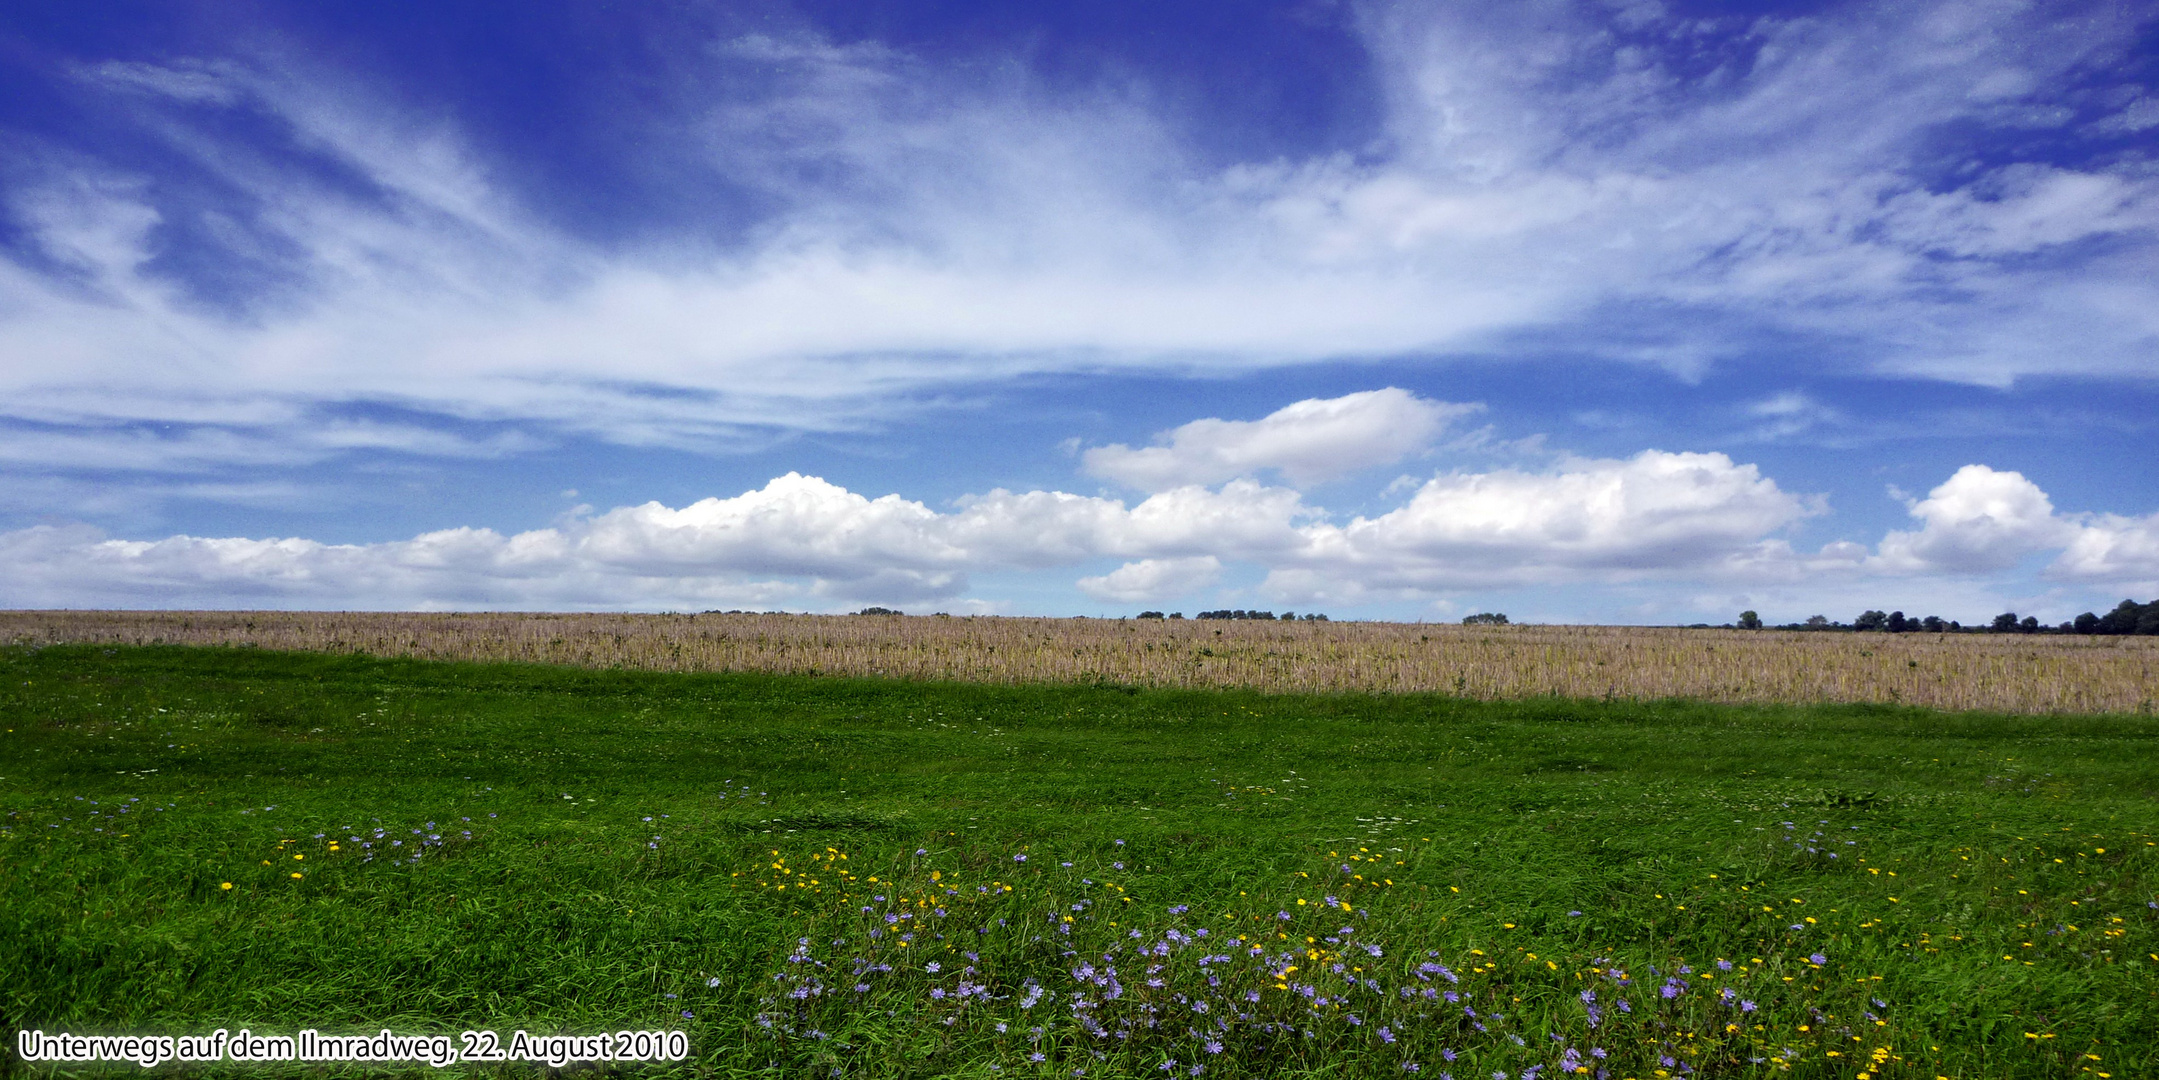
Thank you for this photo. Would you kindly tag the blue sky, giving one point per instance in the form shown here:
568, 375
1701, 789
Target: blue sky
1612, 312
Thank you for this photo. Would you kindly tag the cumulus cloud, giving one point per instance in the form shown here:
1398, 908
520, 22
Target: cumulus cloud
456, 568
1697, 519
1978, 520
802, 537
1307, 442
2113, 548
1148, 580
1982, 520
1242, 519
797, 539
796, 525
1654, 513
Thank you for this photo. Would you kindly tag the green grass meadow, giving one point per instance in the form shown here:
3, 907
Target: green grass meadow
836, 878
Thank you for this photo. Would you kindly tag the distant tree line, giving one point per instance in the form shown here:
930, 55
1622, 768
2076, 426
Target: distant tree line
1485, 618
2129, 617
1225, 613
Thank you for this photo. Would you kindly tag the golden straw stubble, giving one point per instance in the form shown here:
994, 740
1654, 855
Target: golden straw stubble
2000, 672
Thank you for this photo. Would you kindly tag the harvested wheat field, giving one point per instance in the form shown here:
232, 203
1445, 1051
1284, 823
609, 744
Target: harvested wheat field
2000, 672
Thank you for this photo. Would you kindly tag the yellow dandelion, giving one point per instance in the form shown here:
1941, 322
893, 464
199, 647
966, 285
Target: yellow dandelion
226, 885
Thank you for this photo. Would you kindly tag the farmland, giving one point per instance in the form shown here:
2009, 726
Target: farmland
896, 877
2011, 673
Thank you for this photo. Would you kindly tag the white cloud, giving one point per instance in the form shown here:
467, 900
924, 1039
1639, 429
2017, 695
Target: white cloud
1555, 167
1978, 520
1149, 580
203, 448
801, 536
798, 538
212, 83
796, 526
1789, 413
2024, 209
1691, 520
2112, 548
1307, 442
1656, 513
1985, 521
2140, 115
1241, 520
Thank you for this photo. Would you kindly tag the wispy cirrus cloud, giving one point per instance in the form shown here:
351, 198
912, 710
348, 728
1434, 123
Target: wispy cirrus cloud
1307, 442
260, 266
1554, 171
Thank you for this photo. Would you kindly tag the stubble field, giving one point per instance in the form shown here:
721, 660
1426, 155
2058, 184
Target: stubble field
2011, 673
